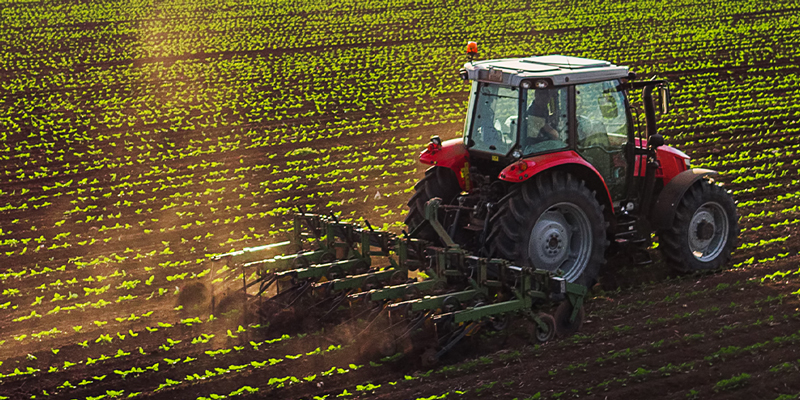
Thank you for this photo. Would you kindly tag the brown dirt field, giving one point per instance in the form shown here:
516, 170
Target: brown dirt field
121, 212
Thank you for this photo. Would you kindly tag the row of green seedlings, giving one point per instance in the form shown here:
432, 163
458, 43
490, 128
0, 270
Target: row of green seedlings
100, 260
671, 298
63, 242
506, 357
638, 375
629, 354
247, 237
367, 388
105, 339
742, 155
103, 260
176, 153
220, 372
729, 102
438, 112
100, 303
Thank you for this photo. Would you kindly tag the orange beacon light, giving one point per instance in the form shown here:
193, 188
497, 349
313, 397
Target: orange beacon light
472, 50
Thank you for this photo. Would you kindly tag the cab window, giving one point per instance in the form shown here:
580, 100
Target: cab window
494, 128
545, 125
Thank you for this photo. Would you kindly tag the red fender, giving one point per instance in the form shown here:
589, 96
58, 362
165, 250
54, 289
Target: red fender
451, 154
526, 168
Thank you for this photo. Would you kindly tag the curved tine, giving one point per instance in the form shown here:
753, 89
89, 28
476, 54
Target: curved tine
266, 286
286, 293
452, 342
336, 302
302, 288
416, 322
365, 311
369, 326
324, 300
448, 337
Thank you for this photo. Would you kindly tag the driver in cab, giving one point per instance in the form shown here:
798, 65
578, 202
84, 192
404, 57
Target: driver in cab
543, 122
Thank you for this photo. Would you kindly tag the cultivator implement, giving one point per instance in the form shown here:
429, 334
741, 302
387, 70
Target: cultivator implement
402, 293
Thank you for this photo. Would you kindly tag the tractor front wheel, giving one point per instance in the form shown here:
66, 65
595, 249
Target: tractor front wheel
704, 231
551, 222
438, 182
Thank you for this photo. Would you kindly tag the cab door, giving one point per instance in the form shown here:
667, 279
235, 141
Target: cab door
602, 128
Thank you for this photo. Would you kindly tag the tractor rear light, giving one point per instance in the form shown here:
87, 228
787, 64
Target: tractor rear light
435, 144
541, 84
522, 166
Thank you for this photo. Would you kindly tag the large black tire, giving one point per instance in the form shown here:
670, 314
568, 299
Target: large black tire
438, 182
552, 222
704, 231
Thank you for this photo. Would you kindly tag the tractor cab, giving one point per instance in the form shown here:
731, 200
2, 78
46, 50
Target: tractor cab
522, 108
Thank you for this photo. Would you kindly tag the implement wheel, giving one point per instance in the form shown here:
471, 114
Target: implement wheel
704, 230
327, 257
565, 327
552, 222
542, 335
438, 182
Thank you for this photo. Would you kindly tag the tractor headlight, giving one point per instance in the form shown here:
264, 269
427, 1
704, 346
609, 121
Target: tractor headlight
688, 162
517, 153
537, 84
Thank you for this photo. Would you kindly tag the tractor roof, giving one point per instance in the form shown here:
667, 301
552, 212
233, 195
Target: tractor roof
558, 70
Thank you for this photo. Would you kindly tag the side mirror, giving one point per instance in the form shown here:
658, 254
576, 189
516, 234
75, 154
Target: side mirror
663, 92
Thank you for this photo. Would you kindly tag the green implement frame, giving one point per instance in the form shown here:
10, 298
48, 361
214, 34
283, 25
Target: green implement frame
457, 288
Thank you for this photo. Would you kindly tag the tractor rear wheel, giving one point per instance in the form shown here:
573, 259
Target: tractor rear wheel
438, 182
704, 230
552, 222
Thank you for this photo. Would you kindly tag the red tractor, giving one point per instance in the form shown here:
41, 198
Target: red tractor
552, 173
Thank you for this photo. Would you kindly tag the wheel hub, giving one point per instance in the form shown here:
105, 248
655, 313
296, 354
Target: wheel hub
549, 240
705, 230
554, 244
561, 240
708, 231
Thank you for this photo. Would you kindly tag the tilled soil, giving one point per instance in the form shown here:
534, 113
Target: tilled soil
117, 327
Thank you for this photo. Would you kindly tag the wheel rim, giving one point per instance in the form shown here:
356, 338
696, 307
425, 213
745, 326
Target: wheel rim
561, 240
708, 231
543, 336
